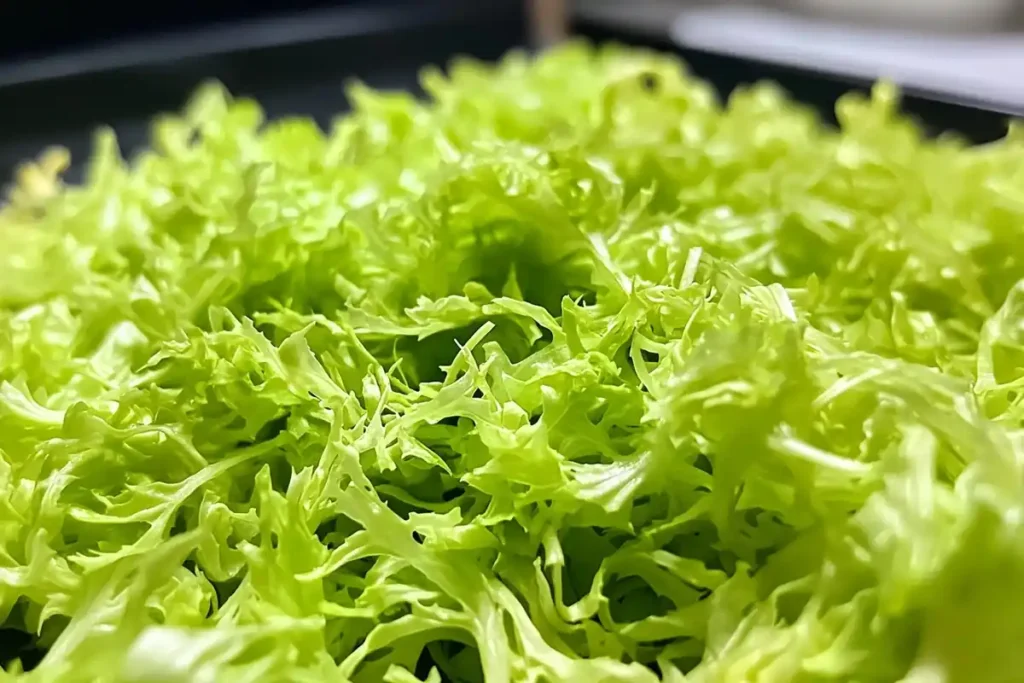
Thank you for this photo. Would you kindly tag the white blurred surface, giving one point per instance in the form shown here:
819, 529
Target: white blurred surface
654, 16
646, 16
946, 15
987, 68
956, 15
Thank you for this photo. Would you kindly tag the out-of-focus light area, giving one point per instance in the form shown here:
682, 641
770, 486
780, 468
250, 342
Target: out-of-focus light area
66, 68
953, 49
971, 50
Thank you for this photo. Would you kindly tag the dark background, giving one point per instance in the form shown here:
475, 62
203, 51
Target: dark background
67, 69
34, 29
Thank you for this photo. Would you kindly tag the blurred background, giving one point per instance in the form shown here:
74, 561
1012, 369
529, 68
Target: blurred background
66, 68
931, 15
960, 49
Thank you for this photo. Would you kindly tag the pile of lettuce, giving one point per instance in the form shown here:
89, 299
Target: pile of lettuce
567, 373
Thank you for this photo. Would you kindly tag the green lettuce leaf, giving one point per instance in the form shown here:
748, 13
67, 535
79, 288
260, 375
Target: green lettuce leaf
567, 372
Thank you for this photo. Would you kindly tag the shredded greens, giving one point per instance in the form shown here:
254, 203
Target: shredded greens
567, 373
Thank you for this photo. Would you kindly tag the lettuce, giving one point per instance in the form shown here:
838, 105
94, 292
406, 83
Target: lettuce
567, 373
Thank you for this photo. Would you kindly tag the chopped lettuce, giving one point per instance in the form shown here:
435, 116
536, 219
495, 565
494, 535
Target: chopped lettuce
567, 373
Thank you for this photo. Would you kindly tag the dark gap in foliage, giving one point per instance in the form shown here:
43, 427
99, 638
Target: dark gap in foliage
19, 645
699, 540
649, 82
453, 493
423, 359
631, 599
244, 483
650, 652
225, 589
424, 665
686, 664
377, 655
655, 669
324, 531
617, 432
180, 523
541, 283
598, 412
457, 662
790, 605
429, 487
510, 336
280, 473
585, 548
273, 428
